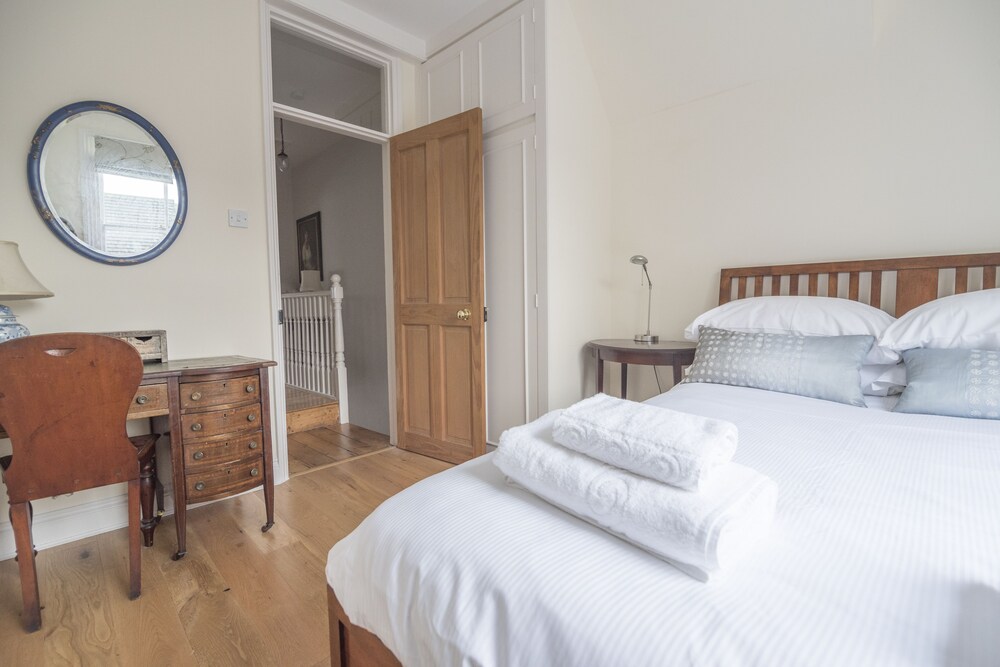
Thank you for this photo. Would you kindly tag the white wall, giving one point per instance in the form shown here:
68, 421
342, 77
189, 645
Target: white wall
345, 185
203, 92
581, 224
288, 257
890, 148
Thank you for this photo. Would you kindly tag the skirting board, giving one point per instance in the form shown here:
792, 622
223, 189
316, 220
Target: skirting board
61, 526
50, 529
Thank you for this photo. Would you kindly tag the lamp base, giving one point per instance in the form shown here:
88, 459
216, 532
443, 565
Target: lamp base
10, 328
646, 338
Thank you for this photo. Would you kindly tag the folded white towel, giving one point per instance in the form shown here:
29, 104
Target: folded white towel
700, 533
673, 447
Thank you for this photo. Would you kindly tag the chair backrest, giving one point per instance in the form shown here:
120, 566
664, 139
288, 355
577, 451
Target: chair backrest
64, 399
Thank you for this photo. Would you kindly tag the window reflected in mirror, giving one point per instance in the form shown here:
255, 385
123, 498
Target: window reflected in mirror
107, 183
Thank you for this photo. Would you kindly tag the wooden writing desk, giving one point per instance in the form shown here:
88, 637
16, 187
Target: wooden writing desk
216, 411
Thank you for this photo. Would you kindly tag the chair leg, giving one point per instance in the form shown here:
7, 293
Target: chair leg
20, 518
147, 485
159, 492
134, 545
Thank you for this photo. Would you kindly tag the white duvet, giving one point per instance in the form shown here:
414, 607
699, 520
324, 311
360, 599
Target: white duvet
885, 551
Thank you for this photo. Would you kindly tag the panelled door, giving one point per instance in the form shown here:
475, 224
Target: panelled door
437, 242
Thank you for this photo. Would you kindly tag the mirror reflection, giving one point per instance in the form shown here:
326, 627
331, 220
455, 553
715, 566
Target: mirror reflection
106, 186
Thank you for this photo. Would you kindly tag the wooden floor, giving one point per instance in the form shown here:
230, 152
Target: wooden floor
297, 399
239, 596
321, 447
306, 410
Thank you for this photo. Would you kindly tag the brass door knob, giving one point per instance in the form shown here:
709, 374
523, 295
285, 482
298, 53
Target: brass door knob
198, 456
200, 486
196, 427
251, 417
464, 314
254, 472
196, 396
253, 444
250, 388
142, 399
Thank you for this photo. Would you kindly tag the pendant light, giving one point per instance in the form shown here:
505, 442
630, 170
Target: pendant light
282, 156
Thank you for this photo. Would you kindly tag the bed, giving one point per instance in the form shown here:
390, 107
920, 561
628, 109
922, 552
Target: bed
886, 549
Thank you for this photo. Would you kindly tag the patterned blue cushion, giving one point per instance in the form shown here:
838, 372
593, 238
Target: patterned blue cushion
956, 383
816, 366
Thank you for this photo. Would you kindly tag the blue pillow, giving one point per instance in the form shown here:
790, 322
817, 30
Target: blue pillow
824, 367
955, 383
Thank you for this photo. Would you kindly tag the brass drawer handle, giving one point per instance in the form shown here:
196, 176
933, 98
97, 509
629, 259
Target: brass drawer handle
254, 472
253, 444
198, 456
200, 486
196, 396
196, 426
250, 388
142, 399
251, 417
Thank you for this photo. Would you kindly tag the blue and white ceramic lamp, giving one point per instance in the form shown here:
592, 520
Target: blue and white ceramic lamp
16, 283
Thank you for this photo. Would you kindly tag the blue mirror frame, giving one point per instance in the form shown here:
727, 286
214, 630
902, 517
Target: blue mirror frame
45, 208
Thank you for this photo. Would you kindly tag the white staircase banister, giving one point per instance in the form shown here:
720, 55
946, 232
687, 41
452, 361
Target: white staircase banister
339, 361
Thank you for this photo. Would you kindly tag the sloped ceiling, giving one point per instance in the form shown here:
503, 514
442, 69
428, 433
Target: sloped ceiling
651, 55
421, 18
413, 28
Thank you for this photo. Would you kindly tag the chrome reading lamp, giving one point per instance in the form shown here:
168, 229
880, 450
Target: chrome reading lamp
647, 337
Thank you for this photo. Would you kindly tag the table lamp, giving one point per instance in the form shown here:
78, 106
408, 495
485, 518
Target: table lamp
16, 282
646, 337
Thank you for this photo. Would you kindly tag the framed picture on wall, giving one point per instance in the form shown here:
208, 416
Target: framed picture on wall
310, 242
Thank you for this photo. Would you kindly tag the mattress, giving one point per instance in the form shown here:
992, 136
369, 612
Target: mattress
885, 551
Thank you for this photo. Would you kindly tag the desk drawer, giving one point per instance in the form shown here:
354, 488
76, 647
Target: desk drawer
203, 425
149, 401
195, 395
213, 452
224, 480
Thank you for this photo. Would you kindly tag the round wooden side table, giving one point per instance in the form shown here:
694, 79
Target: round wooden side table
625, 351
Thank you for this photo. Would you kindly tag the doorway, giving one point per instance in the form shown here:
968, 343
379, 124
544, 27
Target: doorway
330, 106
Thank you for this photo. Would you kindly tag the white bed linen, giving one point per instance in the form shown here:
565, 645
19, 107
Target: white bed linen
885, 551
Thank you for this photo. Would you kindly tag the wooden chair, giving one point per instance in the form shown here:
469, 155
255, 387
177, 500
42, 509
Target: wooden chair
63, 402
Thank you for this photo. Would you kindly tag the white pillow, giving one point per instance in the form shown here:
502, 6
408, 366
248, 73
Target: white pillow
805, 315
883, 379
967, 321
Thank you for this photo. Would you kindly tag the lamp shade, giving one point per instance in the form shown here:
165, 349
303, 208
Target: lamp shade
16, 281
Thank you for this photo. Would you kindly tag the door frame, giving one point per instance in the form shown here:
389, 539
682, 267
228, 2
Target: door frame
328, 35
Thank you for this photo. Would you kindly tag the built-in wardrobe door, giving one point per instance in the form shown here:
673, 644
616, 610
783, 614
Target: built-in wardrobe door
492, 67
510, 225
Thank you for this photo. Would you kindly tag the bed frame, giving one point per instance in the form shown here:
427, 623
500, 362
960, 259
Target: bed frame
894, 285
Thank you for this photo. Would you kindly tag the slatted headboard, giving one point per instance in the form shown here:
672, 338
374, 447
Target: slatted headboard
917, 279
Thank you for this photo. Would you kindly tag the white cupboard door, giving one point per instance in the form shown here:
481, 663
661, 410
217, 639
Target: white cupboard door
444, 86
511, 279
505, 54
492, 67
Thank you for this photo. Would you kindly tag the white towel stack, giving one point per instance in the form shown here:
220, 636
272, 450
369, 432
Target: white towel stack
675, 448
660, 479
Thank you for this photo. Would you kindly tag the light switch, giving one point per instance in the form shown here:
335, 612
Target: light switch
239, 218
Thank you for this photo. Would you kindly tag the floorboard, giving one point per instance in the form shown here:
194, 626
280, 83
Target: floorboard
321, 447
239, 597
298, 399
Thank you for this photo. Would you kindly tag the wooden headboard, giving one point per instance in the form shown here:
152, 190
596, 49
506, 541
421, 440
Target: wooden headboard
917, 279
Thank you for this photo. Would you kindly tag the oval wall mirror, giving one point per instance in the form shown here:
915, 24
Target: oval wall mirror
107, 183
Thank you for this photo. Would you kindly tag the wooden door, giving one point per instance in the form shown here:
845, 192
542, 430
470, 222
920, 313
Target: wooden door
437, 242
